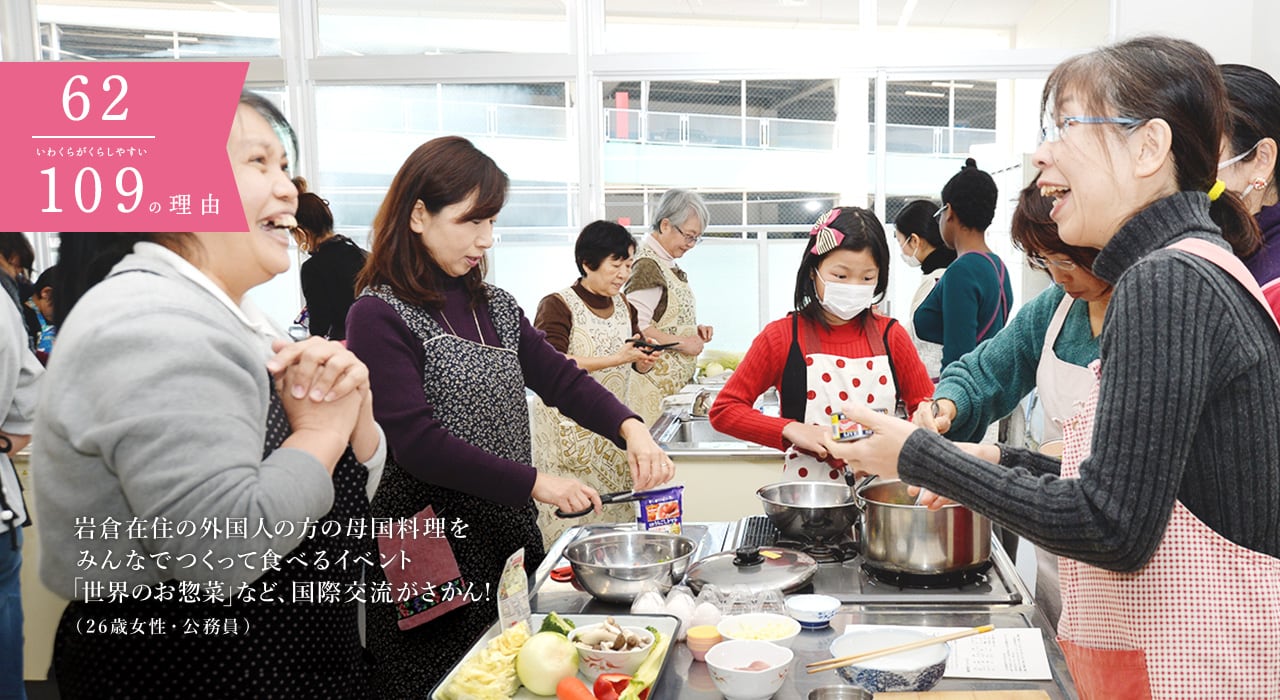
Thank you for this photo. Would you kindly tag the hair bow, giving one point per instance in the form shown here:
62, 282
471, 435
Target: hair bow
826, 238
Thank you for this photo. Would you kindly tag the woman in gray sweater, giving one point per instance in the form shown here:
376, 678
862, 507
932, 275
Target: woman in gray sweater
184, 492
1165, 510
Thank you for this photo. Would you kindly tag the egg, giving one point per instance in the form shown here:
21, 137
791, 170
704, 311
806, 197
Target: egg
705, 614
682, 606
648, 603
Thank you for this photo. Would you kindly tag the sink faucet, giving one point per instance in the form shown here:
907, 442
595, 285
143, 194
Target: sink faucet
701, 403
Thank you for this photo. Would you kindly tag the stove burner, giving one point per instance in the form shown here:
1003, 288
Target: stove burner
824, 552
759, 532
956, 579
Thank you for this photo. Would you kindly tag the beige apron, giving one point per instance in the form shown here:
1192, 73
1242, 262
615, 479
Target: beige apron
562, 447
674, 369
1200, 620
1063, 388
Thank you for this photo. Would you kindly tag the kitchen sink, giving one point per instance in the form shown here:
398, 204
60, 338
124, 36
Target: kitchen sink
696, 430
679, 432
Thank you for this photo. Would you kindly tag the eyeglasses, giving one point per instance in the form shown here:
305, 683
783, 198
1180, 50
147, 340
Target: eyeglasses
691, 240
937, 215
1056, 131
1042, 264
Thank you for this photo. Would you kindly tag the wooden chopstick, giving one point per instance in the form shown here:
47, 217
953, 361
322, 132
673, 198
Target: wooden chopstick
832, 664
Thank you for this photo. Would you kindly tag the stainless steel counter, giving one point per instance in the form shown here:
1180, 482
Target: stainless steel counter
684, 679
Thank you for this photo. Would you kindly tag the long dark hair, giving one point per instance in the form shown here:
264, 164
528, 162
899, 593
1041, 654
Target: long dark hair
862, 231
1170, 79
1255, 110
440, 172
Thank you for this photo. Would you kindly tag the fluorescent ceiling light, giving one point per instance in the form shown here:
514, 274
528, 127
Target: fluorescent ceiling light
226, 6
962, 86
706, 82
812, 205
905, 18
917, 93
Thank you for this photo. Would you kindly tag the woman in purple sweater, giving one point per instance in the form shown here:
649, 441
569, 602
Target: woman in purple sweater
449, 359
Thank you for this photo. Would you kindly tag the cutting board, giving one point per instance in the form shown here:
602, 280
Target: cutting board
967, 695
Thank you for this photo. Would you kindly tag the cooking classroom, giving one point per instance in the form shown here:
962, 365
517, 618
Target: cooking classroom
665, 349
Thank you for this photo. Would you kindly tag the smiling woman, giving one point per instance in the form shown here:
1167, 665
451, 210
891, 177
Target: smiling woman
162, 398
450, 357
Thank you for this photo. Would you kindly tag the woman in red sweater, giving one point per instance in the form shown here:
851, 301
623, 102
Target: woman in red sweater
831, 350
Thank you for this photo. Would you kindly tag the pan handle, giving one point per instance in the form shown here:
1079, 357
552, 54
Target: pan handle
605, 499
856, 488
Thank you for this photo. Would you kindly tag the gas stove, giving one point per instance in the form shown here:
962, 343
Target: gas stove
843, 575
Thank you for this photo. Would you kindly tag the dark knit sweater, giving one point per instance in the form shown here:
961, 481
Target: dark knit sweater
328, 285
1186, 411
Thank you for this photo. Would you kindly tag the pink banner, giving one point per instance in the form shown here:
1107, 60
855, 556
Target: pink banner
102, 146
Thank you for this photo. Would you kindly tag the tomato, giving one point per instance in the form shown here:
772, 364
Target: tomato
610, 685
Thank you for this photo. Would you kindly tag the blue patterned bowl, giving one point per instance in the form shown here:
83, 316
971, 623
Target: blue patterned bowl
918, 669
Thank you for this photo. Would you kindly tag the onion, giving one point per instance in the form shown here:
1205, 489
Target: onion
545, 660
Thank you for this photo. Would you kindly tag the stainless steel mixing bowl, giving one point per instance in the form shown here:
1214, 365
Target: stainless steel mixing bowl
812, 512
614, 567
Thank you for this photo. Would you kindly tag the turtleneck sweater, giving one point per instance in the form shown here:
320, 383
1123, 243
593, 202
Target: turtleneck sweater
1186, 411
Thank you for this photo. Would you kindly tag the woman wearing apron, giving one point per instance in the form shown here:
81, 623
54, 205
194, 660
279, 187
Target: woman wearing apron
832, 350
1165, 510
1047, 348
664, 301
591, 322
450, 357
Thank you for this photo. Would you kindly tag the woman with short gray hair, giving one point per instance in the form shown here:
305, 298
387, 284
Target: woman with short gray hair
664, 302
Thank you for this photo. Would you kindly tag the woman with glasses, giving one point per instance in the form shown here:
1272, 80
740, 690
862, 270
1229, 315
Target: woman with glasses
664, 301
920, 245
329, 272
1165, 508
971, 301
1249, 164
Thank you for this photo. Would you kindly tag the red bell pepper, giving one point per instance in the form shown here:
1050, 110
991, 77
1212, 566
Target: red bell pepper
610, 685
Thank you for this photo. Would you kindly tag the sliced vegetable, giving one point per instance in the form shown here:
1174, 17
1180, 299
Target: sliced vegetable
610, 685
647, 674
492, 672
554, 623
572, 688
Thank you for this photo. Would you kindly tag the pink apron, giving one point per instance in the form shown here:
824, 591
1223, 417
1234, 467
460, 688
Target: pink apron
1200, 620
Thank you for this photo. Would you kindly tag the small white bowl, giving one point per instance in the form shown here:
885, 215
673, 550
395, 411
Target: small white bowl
593, 662
917, 670
727, 663
764, 627
812, 611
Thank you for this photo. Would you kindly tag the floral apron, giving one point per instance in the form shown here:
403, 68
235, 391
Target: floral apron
674, 369
477, 392
831, 381
1200, 620
564, 448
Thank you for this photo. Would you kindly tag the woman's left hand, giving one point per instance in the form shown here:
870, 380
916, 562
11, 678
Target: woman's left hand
650, 466
879, 453
325, 370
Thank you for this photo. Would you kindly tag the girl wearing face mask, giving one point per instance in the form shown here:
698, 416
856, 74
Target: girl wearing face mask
920, 243
833, 349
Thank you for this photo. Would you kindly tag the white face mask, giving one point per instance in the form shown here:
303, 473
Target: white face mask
908, 258
844, 301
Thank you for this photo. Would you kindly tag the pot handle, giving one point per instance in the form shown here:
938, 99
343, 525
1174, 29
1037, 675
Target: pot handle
849, 478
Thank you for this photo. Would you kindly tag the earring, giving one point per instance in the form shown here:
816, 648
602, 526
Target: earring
1258, 184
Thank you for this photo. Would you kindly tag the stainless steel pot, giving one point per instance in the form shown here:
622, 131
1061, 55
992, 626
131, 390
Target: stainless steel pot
811, 512
901, 537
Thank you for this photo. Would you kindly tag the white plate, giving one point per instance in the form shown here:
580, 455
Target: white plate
665, 624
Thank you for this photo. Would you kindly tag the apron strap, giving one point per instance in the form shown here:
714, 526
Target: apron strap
1002, 305
794, 389
880, 346
1229, 263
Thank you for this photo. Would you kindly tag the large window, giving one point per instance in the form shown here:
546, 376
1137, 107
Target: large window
406, 27
90, 30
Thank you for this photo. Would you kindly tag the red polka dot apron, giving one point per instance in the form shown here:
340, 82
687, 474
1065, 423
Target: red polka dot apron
830, 382
1202, 617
